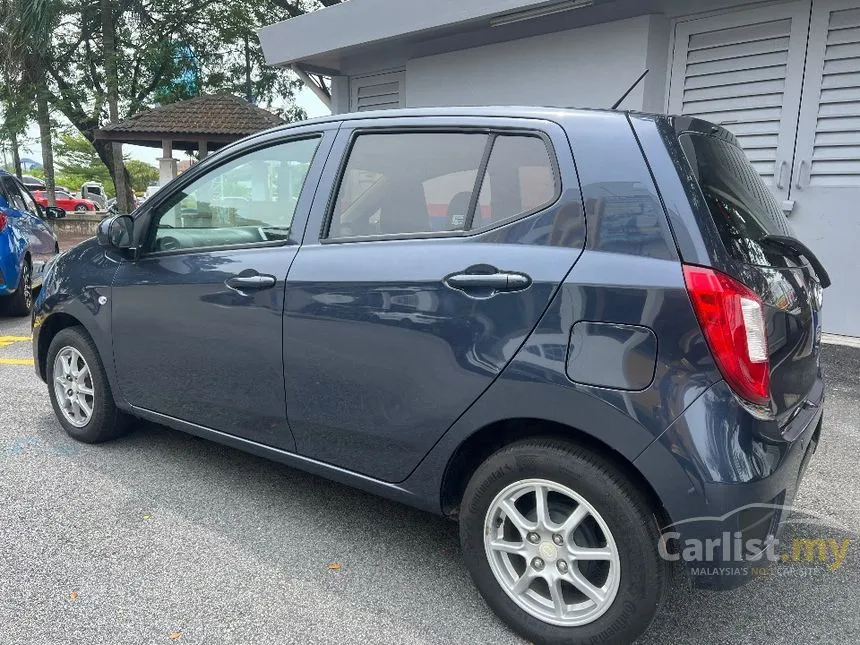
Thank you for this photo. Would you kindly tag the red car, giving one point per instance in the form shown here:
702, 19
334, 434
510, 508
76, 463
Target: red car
65, 201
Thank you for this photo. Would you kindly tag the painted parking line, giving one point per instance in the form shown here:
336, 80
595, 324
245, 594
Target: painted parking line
16, 361
8, 340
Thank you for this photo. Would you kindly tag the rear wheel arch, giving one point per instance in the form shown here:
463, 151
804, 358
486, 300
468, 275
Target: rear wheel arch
484, 442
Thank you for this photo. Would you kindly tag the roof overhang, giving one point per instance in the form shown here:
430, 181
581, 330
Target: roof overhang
323, 41
178, 140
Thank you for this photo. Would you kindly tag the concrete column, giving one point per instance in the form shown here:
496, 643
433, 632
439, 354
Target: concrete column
167, 164
203, 150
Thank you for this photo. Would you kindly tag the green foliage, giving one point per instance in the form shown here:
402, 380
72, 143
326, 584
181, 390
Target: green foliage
166, 51
78, 162
142, 174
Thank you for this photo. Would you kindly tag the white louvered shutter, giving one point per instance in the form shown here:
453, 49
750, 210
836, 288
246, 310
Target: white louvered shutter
744, 70
377, 92
828, 145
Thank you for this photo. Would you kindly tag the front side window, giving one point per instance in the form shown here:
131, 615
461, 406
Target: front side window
426, 182
248, 200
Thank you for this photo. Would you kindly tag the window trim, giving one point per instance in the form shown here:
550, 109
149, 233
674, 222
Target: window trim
149, 213
492, 132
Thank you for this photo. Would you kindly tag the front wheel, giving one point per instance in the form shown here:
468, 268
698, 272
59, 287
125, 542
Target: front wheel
561, 545
79, 389
81, 208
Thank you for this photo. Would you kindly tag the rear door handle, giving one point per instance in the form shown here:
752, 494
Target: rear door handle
250, 282
498, 281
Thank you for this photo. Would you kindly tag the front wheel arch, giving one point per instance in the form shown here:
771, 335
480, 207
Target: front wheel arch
50, 327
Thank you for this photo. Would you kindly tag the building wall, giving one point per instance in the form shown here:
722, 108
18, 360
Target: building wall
588, 67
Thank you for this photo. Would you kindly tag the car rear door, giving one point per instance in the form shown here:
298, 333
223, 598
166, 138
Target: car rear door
761, 252
419, 277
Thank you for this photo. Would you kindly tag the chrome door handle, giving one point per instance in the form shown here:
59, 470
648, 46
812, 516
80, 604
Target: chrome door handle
498, 281
250, 282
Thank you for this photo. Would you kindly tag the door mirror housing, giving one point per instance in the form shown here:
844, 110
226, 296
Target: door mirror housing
117, 232
54, 212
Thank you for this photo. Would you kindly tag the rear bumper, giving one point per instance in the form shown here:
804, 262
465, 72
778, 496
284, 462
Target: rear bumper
727, 481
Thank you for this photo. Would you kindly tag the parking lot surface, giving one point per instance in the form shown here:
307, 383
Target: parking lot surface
160, 537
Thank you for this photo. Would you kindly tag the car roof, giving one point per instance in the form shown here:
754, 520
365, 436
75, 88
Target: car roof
547, 113
510, 111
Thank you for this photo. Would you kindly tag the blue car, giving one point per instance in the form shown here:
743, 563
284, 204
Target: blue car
27, 242
589, 337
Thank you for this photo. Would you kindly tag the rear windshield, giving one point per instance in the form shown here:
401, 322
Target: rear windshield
742, 206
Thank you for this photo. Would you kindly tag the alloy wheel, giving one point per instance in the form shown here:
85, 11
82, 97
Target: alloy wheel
552, 552
73, 386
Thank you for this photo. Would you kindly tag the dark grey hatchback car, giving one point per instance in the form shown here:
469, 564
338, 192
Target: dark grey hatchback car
589, 336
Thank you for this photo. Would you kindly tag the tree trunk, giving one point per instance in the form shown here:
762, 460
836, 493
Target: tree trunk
249, 94
16, 153
117, 167
44, 118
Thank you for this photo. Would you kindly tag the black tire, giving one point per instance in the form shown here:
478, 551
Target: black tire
106, 421
81, 208
20, 303
644, 575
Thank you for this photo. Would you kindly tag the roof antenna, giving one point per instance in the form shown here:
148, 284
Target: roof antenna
627, 93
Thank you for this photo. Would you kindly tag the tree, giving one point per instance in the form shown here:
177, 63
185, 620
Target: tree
27, 26
142, 174
153, 43
78, 162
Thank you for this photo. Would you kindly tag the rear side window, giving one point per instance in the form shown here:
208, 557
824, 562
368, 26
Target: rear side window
743, 208
427, 182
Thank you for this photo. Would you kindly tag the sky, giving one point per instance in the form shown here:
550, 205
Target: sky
305, 98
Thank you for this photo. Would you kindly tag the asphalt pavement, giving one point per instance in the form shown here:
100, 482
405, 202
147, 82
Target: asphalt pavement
160, 537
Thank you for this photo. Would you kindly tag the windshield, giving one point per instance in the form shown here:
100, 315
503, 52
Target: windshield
741, 205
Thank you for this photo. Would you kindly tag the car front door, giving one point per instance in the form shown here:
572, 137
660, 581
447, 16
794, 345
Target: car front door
196, 318
419, 278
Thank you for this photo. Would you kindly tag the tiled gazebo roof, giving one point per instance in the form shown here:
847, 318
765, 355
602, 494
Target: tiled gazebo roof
216, 118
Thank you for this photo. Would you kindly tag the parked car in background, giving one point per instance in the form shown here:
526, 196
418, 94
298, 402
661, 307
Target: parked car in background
65, 201
32, 183
568, 330
95, 192
26, 244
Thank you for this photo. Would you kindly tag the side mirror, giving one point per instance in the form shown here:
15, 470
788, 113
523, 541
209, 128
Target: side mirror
116, 231
54, 212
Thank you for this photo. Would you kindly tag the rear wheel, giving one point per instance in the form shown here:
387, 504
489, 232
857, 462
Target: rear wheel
20, 303
561, 545
79, 389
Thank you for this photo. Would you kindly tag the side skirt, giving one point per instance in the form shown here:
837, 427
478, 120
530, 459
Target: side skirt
322, 469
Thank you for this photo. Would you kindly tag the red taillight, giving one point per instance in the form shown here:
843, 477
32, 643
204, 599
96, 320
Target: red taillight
732, 319
2, 221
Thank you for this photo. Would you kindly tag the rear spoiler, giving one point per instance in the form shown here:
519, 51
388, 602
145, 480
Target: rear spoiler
801, 249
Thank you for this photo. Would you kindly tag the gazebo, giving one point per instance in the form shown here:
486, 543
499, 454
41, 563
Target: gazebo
204, 123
